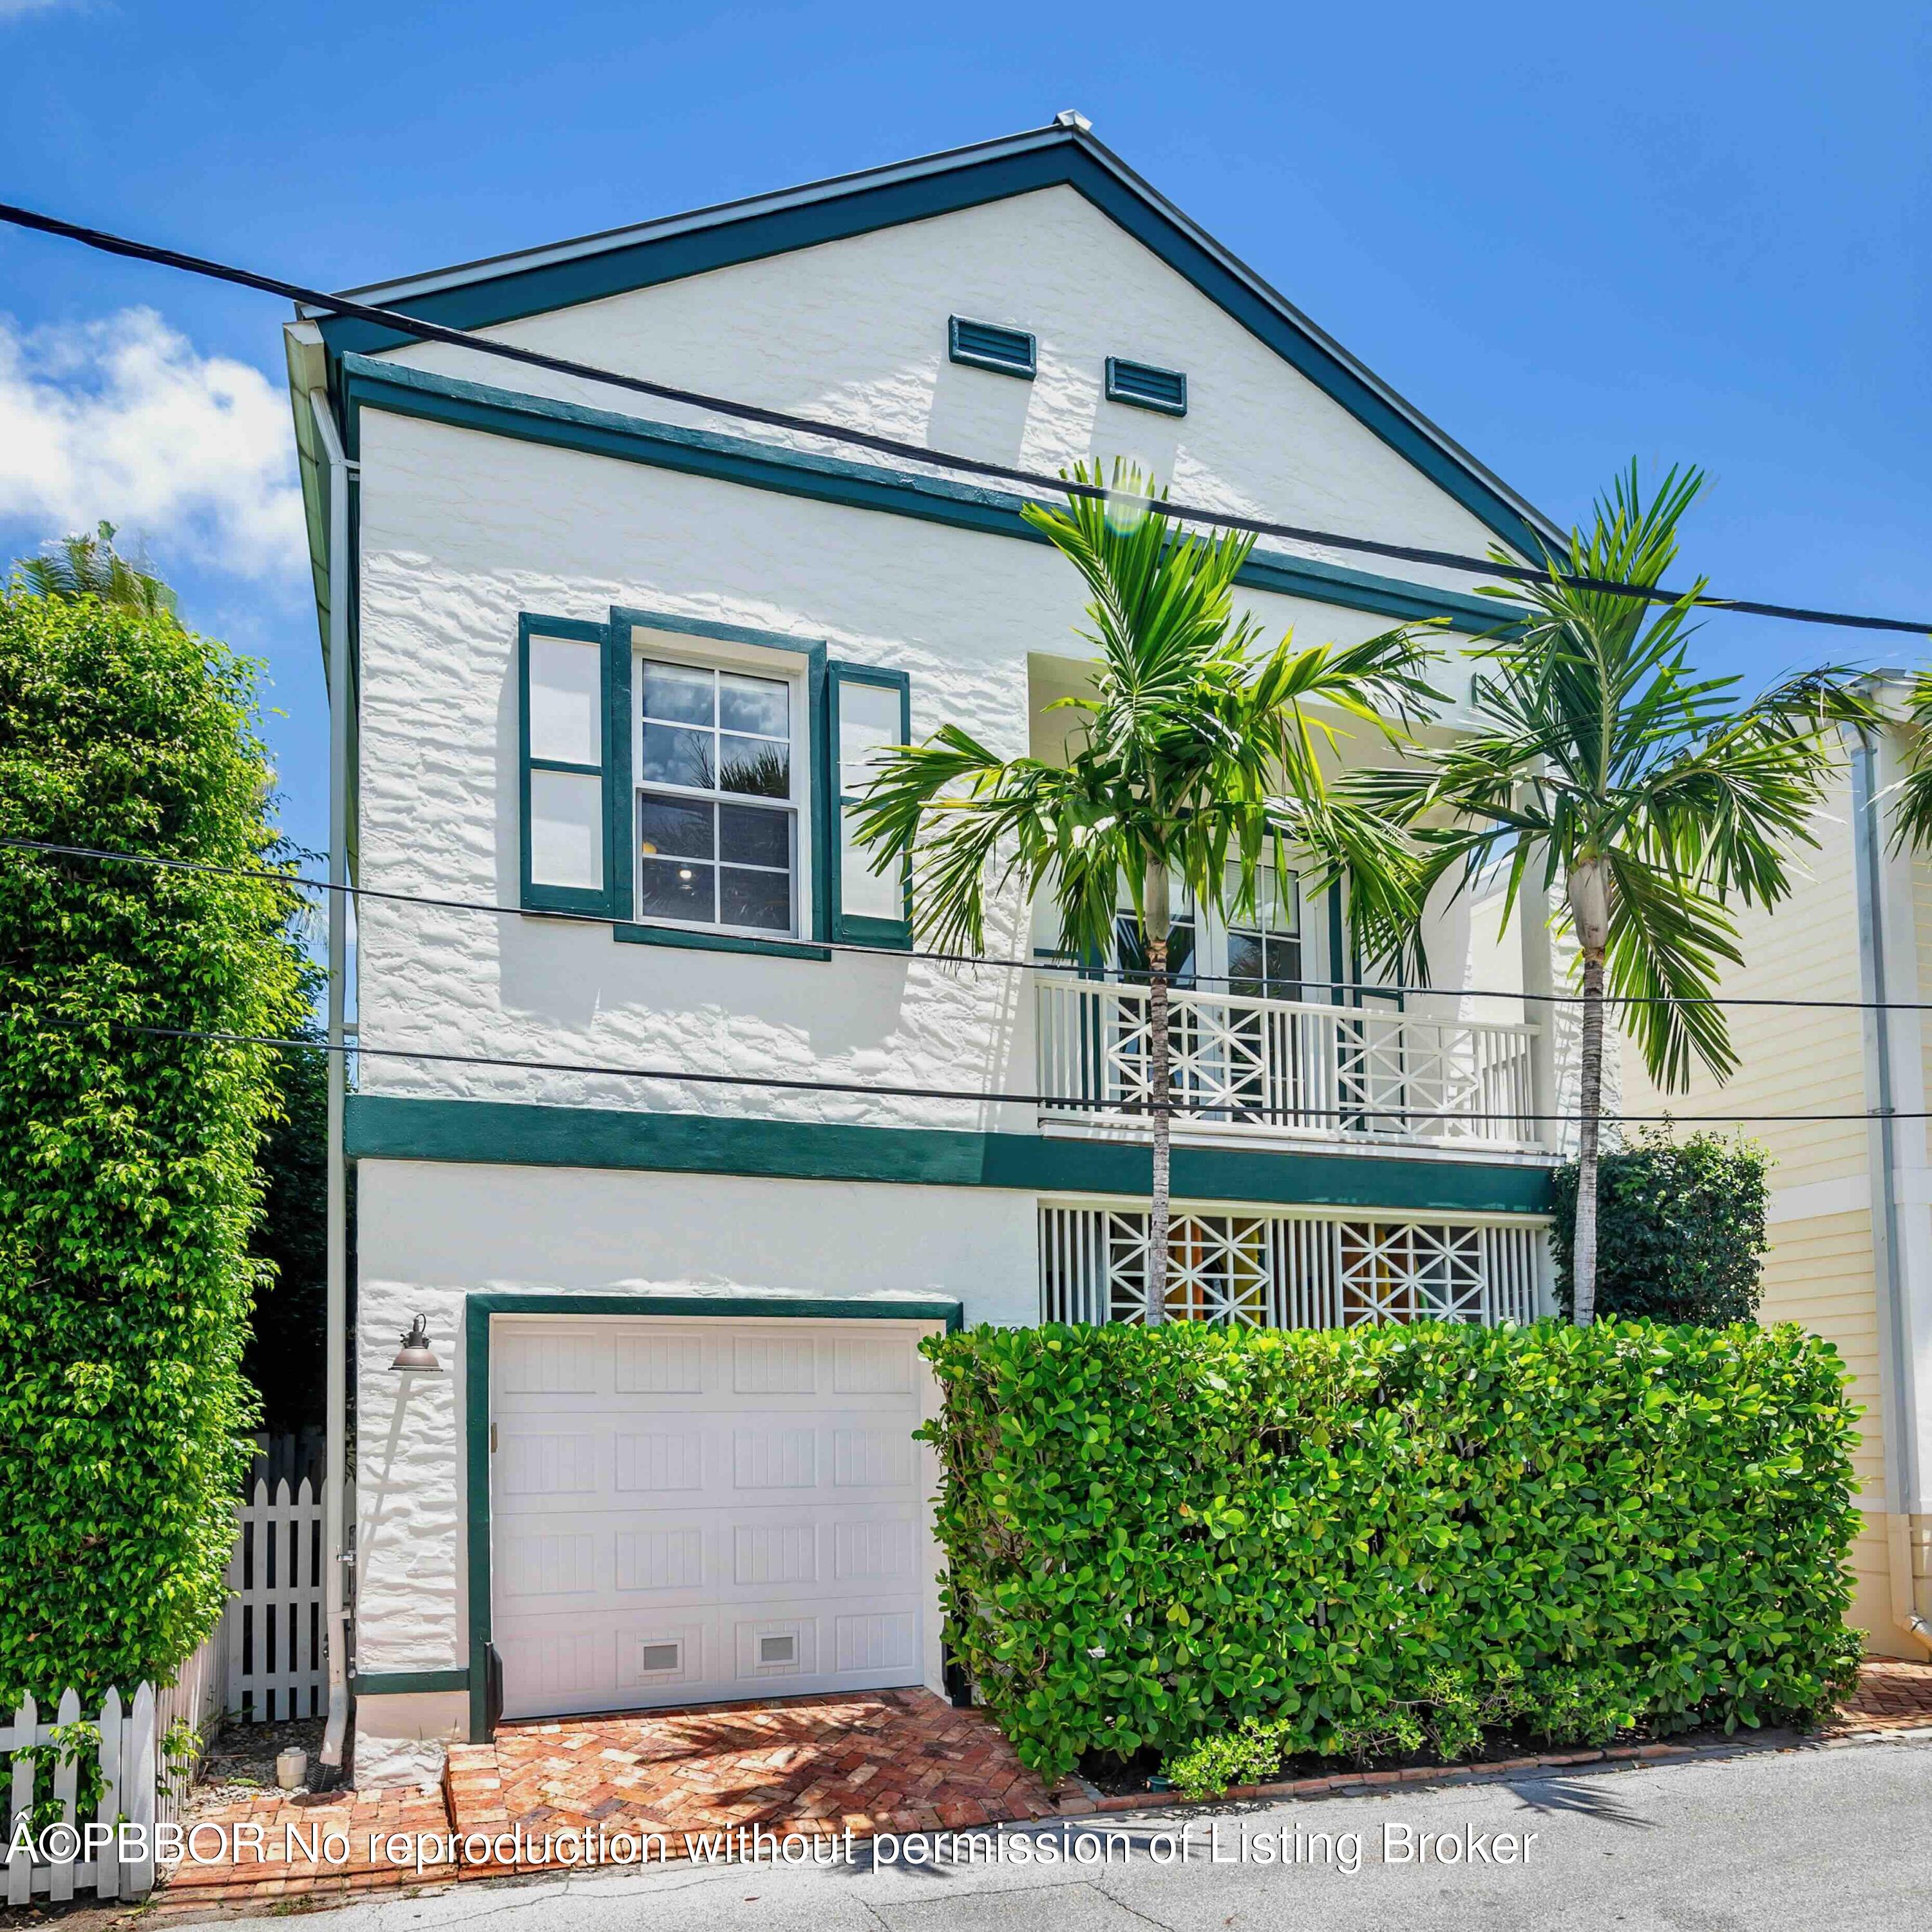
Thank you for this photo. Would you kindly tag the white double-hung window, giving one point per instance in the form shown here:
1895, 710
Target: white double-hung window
722, 779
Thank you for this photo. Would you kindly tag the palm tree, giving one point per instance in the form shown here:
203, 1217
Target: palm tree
1598, 761
1195, 756
84, 566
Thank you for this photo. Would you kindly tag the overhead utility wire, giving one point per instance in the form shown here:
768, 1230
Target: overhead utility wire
1360, 1110
911, 452
268, 874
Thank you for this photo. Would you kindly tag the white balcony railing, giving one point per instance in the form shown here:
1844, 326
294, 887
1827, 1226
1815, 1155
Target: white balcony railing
1286, 1066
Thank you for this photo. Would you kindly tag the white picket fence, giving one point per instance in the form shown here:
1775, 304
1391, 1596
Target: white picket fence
146, 1750
264, 1662
277, 1668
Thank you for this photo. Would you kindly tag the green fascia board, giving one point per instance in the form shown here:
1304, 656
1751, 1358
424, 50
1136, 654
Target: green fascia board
521, 1134
479, 1308
1064, 161
427, 397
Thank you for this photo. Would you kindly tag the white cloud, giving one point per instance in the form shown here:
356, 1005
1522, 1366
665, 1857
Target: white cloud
121, 419
18, 10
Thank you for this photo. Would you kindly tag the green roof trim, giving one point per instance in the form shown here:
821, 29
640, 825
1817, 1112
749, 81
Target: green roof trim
537, 281
400, 390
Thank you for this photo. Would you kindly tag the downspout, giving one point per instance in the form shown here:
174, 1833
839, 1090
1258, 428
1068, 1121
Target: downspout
335, 1549
1867, 848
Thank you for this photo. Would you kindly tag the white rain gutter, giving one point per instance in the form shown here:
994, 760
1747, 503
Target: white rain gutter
336, 1556
1894, 1340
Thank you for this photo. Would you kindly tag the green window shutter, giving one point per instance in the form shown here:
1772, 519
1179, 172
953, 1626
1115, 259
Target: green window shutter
866, 709
568, 808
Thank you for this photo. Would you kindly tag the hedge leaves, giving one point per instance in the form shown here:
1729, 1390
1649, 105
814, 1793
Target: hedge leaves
1158, 1535
128, 1181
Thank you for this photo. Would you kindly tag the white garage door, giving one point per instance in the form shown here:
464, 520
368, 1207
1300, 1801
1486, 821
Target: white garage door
690, 1510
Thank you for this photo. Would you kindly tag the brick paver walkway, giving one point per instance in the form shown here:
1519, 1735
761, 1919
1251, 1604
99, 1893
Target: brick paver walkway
876, 1761
340, 1827
1891, 1696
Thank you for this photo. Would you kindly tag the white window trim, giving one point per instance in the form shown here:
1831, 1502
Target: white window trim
703, 653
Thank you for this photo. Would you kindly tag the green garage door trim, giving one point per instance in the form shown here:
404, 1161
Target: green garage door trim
514, 1134
478, 1309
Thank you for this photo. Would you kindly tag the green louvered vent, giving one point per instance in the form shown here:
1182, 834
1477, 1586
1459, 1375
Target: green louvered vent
986, 345
1146, 387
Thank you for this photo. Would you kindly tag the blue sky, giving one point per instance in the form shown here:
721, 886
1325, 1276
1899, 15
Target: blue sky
1572, 236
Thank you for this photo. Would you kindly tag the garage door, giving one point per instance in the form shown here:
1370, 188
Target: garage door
691, 1511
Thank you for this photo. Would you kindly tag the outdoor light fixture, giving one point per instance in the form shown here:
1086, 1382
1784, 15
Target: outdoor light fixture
415, 1355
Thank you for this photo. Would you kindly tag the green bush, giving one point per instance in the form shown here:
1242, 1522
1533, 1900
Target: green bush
128, 1178
1368, 1537
1680, 1228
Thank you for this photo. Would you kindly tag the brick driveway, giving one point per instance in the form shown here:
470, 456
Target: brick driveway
874, 1761
891, 1760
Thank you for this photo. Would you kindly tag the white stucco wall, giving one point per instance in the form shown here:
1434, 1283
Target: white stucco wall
854, 331
460, 531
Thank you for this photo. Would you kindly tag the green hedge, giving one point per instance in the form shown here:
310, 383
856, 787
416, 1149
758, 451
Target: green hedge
1681, 1228
128, 1183
1159, 1536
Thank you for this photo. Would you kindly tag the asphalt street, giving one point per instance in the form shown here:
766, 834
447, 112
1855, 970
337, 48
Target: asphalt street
1809, 1839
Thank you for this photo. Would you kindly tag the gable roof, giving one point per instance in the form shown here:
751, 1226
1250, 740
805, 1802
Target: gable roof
502, 288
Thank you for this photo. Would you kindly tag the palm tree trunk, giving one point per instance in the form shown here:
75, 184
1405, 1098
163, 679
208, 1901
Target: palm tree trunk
1589, 905
1160, 1077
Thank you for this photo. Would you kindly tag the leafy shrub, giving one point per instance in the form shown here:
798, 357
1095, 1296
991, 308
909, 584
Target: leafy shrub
128, 1178
1681, 1228
1361, 1540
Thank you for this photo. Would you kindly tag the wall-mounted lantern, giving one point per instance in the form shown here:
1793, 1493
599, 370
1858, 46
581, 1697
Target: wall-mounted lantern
415, 1356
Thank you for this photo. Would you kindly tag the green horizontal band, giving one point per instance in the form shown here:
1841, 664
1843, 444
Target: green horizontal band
516, 1134
402, 1683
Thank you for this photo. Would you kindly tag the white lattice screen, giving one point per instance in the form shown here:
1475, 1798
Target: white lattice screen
1287, 1270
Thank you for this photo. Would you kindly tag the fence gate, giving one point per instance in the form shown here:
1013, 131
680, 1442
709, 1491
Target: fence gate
276, 1667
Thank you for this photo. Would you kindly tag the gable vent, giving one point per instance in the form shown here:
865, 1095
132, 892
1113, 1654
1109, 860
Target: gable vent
986, 345
1146, 387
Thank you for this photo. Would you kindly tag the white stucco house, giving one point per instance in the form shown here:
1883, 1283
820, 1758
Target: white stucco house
617, 664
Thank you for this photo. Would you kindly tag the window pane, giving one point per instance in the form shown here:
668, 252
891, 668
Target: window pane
1132, 955
677, 888
673, 829
1284, 966
1245, 964
868, 720
862, 894
566, 829
761, 899
565, 701
761, 766
677, 693
1277, 903
675, 757
753, 835
759, 704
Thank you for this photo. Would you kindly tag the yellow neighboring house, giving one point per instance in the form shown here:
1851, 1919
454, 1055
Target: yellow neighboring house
1851, 1201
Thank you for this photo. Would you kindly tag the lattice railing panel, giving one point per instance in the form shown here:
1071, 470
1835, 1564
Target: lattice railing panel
1287, 1271
1289, 1066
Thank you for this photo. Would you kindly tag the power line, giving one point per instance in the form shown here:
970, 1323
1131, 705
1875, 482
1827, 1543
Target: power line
268, 874
1139, 1109
910, 452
